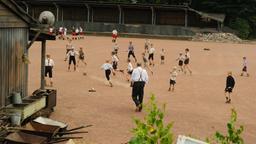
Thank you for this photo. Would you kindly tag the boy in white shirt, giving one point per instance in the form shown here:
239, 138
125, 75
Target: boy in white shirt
173, 79
49, 63
162, 53
129, 70
107, 67
151, 55
244, 70
71, 55
180, 60
115, 61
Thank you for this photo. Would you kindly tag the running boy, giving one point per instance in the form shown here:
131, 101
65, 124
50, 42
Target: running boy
129, 70
81, 58
244, 70
131, 51
162, 53
145, 61
115, 62
107, 67
146, 46
180, 60
173, 79
151, 55
230, 83
115, 48
186, 61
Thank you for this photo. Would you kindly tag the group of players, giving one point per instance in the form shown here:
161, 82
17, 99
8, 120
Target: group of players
148, 57
62, 32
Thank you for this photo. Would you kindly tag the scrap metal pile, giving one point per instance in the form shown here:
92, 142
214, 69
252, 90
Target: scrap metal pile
217, 37
41, 131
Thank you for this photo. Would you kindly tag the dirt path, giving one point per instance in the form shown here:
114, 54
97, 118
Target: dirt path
197, 106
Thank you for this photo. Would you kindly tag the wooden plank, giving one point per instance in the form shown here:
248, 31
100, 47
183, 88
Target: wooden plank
13, 25
4, 12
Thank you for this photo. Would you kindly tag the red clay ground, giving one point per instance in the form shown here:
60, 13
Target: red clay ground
197, 106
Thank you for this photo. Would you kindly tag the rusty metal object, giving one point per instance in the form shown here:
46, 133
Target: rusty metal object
24, 138
41, 129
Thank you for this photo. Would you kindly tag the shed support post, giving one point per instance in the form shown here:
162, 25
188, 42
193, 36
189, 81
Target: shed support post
120, 14
186, 18
57, 12
43, 51
88, 12
92, 15
152, 15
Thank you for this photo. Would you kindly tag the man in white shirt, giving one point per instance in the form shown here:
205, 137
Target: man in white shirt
139, 79
49, 63
151, 55
107, 67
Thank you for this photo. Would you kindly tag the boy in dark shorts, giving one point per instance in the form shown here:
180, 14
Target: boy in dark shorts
129, 70
162, 53
180, 60
107, 67
173, 79
230, 83
244, 70
145, 62
131, 51
151, 53
49, 63
186, 61
81, 57
115, 61
146, 46
71, 55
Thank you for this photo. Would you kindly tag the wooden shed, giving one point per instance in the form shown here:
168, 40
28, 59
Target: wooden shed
15, 25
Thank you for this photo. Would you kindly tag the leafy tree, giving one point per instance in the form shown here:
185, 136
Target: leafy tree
152, 130
234, 134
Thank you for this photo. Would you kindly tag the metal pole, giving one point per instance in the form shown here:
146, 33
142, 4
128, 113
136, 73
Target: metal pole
43, 64
186, 18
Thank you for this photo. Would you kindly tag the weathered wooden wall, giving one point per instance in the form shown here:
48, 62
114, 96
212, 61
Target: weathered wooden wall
13, 42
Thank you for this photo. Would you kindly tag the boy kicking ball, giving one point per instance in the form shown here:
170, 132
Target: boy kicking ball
230, 83
173, 79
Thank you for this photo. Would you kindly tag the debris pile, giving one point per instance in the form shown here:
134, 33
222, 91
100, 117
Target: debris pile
217, 37
42, 131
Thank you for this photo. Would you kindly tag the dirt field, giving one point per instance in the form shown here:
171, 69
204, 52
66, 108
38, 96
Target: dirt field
197, 106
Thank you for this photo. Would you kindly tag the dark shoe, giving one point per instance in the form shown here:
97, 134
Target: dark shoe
140, 107
227, 99
137, 109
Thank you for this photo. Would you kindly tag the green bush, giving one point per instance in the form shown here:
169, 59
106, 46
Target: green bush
152, 130
234, 134
242, 26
